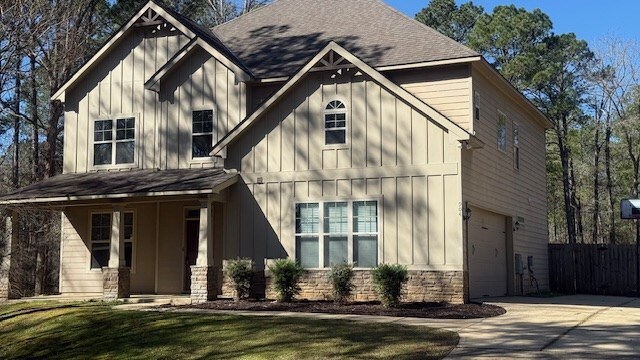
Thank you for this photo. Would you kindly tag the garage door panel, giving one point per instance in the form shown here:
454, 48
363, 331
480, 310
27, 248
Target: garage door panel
487, 254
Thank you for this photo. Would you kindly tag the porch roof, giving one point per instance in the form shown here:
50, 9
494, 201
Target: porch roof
121, 184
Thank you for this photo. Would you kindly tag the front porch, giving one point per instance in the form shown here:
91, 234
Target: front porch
163, 238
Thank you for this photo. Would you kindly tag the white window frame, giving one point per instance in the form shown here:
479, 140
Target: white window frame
114, 141
192, 133
132, 240
501, 145
326, 112
350, 233
516, 145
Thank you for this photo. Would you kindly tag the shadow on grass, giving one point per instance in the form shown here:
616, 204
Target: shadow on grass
98, 331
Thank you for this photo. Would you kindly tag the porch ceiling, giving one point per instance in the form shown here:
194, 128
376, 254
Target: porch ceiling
121, 184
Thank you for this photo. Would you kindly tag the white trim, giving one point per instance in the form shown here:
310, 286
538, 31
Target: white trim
213, 133
60, 93
157, 265
429, 63
350, 233
133, 241
439, 119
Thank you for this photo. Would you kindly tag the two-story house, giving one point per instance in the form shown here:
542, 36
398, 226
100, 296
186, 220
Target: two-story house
323, 131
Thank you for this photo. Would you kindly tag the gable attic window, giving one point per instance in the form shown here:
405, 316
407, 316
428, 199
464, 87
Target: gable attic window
335, 123
114, 144
502, 132
201, 133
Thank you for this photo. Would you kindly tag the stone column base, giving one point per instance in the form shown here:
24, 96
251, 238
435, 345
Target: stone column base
116, 283
203, 283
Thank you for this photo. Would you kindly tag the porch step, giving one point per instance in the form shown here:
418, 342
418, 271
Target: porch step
157, 300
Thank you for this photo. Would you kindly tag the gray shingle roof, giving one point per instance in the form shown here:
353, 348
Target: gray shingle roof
278, 39
132, 183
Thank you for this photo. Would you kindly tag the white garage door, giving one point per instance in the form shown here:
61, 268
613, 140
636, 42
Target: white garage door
487, 254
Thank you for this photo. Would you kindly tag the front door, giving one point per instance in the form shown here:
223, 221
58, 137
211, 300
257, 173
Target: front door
192, 234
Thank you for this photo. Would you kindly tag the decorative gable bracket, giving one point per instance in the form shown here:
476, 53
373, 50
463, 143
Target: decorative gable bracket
332, 62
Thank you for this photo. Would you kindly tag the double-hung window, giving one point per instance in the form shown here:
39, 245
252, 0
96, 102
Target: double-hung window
114, 141
201, 133
335, 123
502, 132
335, 232
101, 239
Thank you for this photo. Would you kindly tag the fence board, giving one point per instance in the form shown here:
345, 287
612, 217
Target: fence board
593, 269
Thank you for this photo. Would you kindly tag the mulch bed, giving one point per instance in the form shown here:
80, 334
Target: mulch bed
415, 309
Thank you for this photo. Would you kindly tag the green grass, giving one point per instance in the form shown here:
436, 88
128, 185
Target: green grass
97, 331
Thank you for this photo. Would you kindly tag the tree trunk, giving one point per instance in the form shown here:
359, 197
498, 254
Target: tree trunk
567, 185
34, 118
595, 230
15, 181
53, 130
607, 164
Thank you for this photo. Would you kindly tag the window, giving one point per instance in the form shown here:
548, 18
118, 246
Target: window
335, 123
337, 232
502, 132
476, 106
107, 147
516, 146
202, 133
101, 239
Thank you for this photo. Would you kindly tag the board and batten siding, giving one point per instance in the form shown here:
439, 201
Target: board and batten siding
115, 88
394, 154
490, 180
447, 89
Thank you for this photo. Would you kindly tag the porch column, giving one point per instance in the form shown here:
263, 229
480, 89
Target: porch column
116, 277
204, 273
5, 258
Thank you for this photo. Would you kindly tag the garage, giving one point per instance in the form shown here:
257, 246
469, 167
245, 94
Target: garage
487, 254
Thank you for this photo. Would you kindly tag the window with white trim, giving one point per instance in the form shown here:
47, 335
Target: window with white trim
516, 146
201, 133
114, 144
335, 123
101, 239
334, 232
502, 132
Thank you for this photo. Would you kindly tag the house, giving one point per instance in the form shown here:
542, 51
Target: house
323, 131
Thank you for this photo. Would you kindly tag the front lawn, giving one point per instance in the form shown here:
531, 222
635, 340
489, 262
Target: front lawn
95, 330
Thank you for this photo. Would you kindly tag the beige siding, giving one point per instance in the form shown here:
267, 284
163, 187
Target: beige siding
393, 154
490, 180
115, 87
166, 244
446, 89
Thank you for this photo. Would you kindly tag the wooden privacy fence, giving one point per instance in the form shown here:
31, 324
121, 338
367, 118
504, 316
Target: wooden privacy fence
593, 269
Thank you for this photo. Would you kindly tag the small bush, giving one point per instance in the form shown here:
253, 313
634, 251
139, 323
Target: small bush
388, 280
286, 274
240, 272
341, 276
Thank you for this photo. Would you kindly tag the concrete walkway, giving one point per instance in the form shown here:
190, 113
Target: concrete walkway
575, 327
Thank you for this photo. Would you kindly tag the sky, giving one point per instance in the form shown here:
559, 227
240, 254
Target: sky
590, 20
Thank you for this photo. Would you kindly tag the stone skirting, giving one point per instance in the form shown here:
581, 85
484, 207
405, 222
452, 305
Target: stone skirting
4, 286
430, 286
116, 283
203, 283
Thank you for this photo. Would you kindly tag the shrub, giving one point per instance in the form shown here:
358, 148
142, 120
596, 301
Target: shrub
388, 280
286, 274
341, 276
240, 272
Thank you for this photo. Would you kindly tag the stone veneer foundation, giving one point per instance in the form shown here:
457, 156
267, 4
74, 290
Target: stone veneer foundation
203, 283
116, 283
430, 286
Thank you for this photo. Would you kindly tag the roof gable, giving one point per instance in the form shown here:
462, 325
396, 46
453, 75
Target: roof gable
278, 39
326, 59
152, 14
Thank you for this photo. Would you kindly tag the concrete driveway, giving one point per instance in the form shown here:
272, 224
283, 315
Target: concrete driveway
567, 327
